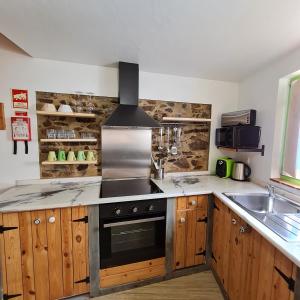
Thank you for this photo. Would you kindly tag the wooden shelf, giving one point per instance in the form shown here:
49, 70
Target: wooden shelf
257, 150
68, 140
85, 162
61, 114
185, 120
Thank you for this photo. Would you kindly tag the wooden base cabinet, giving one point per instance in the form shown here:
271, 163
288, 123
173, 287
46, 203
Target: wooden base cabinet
190, 231
44, 254
248, 266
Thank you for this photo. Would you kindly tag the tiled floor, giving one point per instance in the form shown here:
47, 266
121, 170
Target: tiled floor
200, 286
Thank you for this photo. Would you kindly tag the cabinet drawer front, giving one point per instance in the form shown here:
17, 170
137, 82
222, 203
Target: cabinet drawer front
132, 267
132, 276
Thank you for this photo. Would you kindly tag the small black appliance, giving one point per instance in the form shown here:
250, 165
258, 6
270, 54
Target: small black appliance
244, 136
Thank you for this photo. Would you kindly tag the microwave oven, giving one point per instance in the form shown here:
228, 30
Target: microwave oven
244, 136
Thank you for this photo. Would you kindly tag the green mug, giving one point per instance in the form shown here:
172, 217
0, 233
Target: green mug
61, 156
52, 156
90, 156
80, 156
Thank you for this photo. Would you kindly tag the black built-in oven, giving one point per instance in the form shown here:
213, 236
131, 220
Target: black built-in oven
132, 231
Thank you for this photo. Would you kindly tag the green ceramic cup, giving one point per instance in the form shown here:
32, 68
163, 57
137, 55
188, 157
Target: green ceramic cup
90, 156
80, 156
71, 156
61, 156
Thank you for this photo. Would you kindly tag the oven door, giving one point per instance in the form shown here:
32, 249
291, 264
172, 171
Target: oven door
129, 240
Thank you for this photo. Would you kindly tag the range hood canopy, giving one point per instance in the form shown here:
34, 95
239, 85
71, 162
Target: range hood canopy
128, 114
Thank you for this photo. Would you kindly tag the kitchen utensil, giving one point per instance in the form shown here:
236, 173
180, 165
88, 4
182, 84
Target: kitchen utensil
90, 156
167, 144
160, 141
61, 155
224, 167
49, 107
240, 171
81, 155
71, 156
52, 156
174, 146
65, 108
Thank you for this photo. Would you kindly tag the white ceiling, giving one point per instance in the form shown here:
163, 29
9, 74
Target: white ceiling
214, 39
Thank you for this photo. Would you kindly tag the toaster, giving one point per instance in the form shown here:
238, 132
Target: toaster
224, 167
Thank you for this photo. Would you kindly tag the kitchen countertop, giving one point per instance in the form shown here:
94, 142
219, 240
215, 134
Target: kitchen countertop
58, 194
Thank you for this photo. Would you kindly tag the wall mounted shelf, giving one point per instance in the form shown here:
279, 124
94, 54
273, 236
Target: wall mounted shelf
61, 114
68, 140
184, 120
257, 150
85, 162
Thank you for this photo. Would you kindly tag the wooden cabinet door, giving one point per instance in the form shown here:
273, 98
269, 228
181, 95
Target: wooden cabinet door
200, 243
44, 254
221, 240
12, 261
180, 239
190, 231
190, 244
282, 273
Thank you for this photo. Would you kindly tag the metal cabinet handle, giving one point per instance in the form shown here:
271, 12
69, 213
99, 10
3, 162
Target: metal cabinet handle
233, 221
193, 202
51, 219
182, 220
37, 221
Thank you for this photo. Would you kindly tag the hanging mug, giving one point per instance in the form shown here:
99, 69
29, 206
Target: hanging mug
61, 155
80, 156
90, 156
52, 156
71, 156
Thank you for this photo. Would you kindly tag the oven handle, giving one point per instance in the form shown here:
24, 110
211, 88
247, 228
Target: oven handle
133, 222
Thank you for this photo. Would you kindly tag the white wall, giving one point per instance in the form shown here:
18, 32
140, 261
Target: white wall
263, 92
17, 70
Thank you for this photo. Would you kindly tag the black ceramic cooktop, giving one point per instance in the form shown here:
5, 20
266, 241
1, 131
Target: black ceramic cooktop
128, 187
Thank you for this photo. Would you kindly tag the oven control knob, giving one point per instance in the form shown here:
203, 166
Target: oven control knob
135, 209
117, 211
151, 207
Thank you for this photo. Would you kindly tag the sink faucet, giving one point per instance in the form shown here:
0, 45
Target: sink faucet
271, 190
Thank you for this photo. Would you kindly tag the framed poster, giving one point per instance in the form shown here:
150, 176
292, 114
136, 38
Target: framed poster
20, 98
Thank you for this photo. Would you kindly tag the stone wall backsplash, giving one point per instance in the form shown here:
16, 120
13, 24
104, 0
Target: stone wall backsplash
192, 155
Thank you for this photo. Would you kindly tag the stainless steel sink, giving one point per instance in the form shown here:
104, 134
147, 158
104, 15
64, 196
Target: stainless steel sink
263, 203
277, 213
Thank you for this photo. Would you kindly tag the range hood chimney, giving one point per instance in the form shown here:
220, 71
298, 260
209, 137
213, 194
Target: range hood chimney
128, 114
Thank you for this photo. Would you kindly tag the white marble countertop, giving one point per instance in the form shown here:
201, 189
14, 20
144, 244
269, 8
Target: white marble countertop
66, 194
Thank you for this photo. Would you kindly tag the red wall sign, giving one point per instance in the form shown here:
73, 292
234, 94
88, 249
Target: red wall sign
20, 98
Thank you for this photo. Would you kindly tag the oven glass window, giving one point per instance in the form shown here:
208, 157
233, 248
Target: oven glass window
129, 241
135, 236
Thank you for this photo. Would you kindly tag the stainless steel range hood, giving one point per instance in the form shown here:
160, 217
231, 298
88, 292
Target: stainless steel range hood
128, 114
